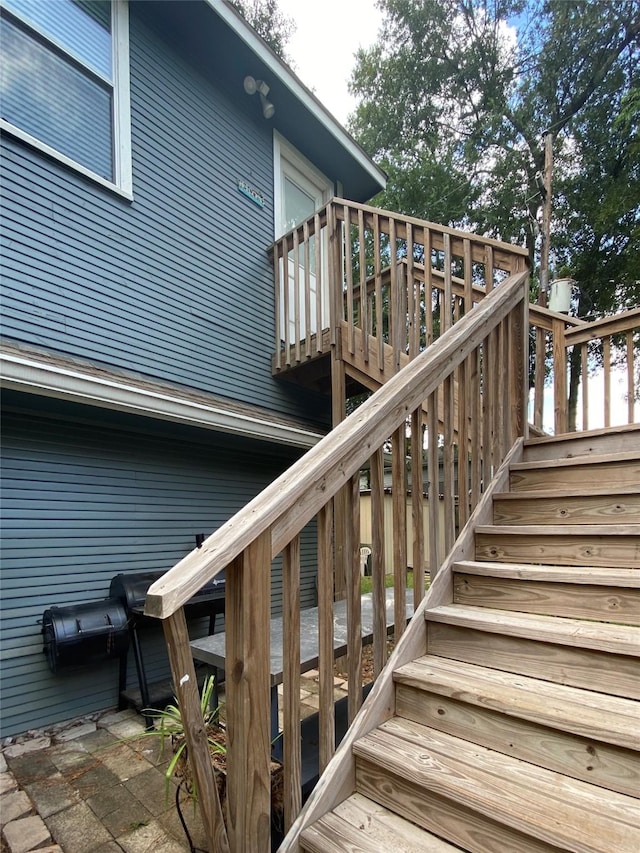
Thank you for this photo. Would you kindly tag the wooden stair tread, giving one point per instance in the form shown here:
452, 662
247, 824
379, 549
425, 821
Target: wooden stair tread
611, 719
576, 461
560, 530
592, 575
571, 814
606, 637
359, 825
583, 491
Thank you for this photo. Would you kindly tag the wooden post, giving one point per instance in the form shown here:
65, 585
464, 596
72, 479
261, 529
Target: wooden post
559, 378
354, 601
338, 414
247, 625
378, 562
546, 220
186, 687
326, 731
399, 503
291, 687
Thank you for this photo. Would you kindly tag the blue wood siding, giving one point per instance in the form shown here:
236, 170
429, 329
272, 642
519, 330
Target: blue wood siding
83, 502
176, 284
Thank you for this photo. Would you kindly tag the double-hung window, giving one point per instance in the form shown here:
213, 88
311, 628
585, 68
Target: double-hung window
64, 83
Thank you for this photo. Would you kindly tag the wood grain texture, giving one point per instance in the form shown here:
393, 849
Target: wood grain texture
618, 675
559, 508
572, 546
291, 681
619, 439
612, 469
247, 617
186, 686
582, 712
361, 826
579, 601
590, 761
563, 574
562, 811
294, 498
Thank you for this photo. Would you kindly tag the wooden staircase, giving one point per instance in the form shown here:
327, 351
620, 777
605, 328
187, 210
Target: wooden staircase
519, 730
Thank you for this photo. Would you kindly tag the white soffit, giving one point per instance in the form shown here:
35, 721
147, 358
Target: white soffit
29, 375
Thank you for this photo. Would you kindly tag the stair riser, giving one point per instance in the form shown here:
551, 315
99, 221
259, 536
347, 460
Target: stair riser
449, 819
605, 474
617, 675
623, 440
591, 761
577, 601
616, 551
580, 509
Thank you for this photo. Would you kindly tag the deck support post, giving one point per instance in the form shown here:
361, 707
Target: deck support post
247, 620
186, 687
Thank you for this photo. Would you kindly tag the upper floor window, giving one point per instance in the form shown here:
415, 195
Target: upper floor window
64, 83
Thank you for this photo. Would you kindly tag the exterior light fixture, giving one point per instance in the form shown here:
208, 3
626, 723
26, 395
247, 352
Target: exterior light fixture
253, 86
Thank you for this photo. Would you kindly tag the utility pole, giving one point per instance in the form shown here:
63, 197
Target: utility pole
546, 220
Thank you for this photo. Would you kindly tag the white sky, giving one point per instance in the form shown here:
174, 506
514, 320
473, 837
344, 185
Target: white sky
327, 36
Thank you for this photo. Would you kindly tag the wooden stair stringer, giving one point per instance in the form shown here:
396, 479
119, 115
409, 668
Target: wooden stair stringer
337, 783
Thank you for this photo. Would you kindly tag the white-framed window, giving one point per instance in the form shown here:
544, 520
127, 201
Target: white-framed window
64, 83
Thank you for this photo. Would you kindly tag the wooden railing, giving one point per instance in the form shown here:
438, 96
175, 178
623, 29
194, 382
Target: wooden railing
485, 352
591, 356
400, 281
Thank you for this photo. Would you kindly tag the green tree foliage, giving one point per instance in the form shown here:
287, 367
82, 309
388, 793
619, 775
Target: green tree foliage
269, 22
454, 101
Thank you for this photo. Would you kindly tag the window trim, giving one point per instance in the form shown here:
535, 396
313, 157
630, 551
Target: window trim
122, 161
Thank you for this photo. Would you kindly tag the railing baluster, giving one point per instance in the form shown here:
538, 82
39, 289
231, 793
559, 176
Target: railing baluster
336, 250
584, 370
606, 360
296, 294
348, 263
428, 289
377, 272
538, 399
448, 457
630, 378
354, 603
378, 567
320, 270
475, 411
279, 305
463, 446
307, 290
291, 681
434, 484
445, 315
488, 268
417, 507
364, 297
396, 326
326, 732
399, 504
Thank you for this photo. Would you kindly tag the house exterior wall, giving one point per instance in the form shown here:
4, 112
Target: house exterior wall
175, 284
82, 504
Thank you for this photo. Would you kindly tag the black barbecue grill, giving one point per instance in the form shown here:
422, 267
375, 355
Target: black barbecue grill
131, 590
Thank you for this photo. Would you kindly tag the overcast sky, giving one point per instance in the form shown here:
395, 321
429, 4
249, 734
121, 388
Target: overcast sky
328, 33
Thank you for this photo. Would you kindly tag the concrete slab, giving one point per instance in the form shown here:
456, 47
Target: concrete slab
96, 740
91, 779
131, 728
78, 830
7, 783
26, 834
52, 795
150, 789
171, 822
124, 762
68, 755
151, 838
34, 744
77, 731
31, 767
14, 805
116, 717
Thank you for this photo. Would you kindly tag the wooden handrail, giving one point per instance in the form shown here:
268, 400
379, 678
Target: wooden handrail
288, 503
557, 336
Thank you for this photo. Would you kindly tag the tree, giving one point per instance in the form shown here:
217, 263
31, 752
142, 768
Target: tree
269, 22
455, 98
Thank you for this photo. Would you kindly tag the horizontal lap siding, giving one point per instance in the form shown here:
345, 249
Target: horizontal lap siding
177, 284
81, 505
